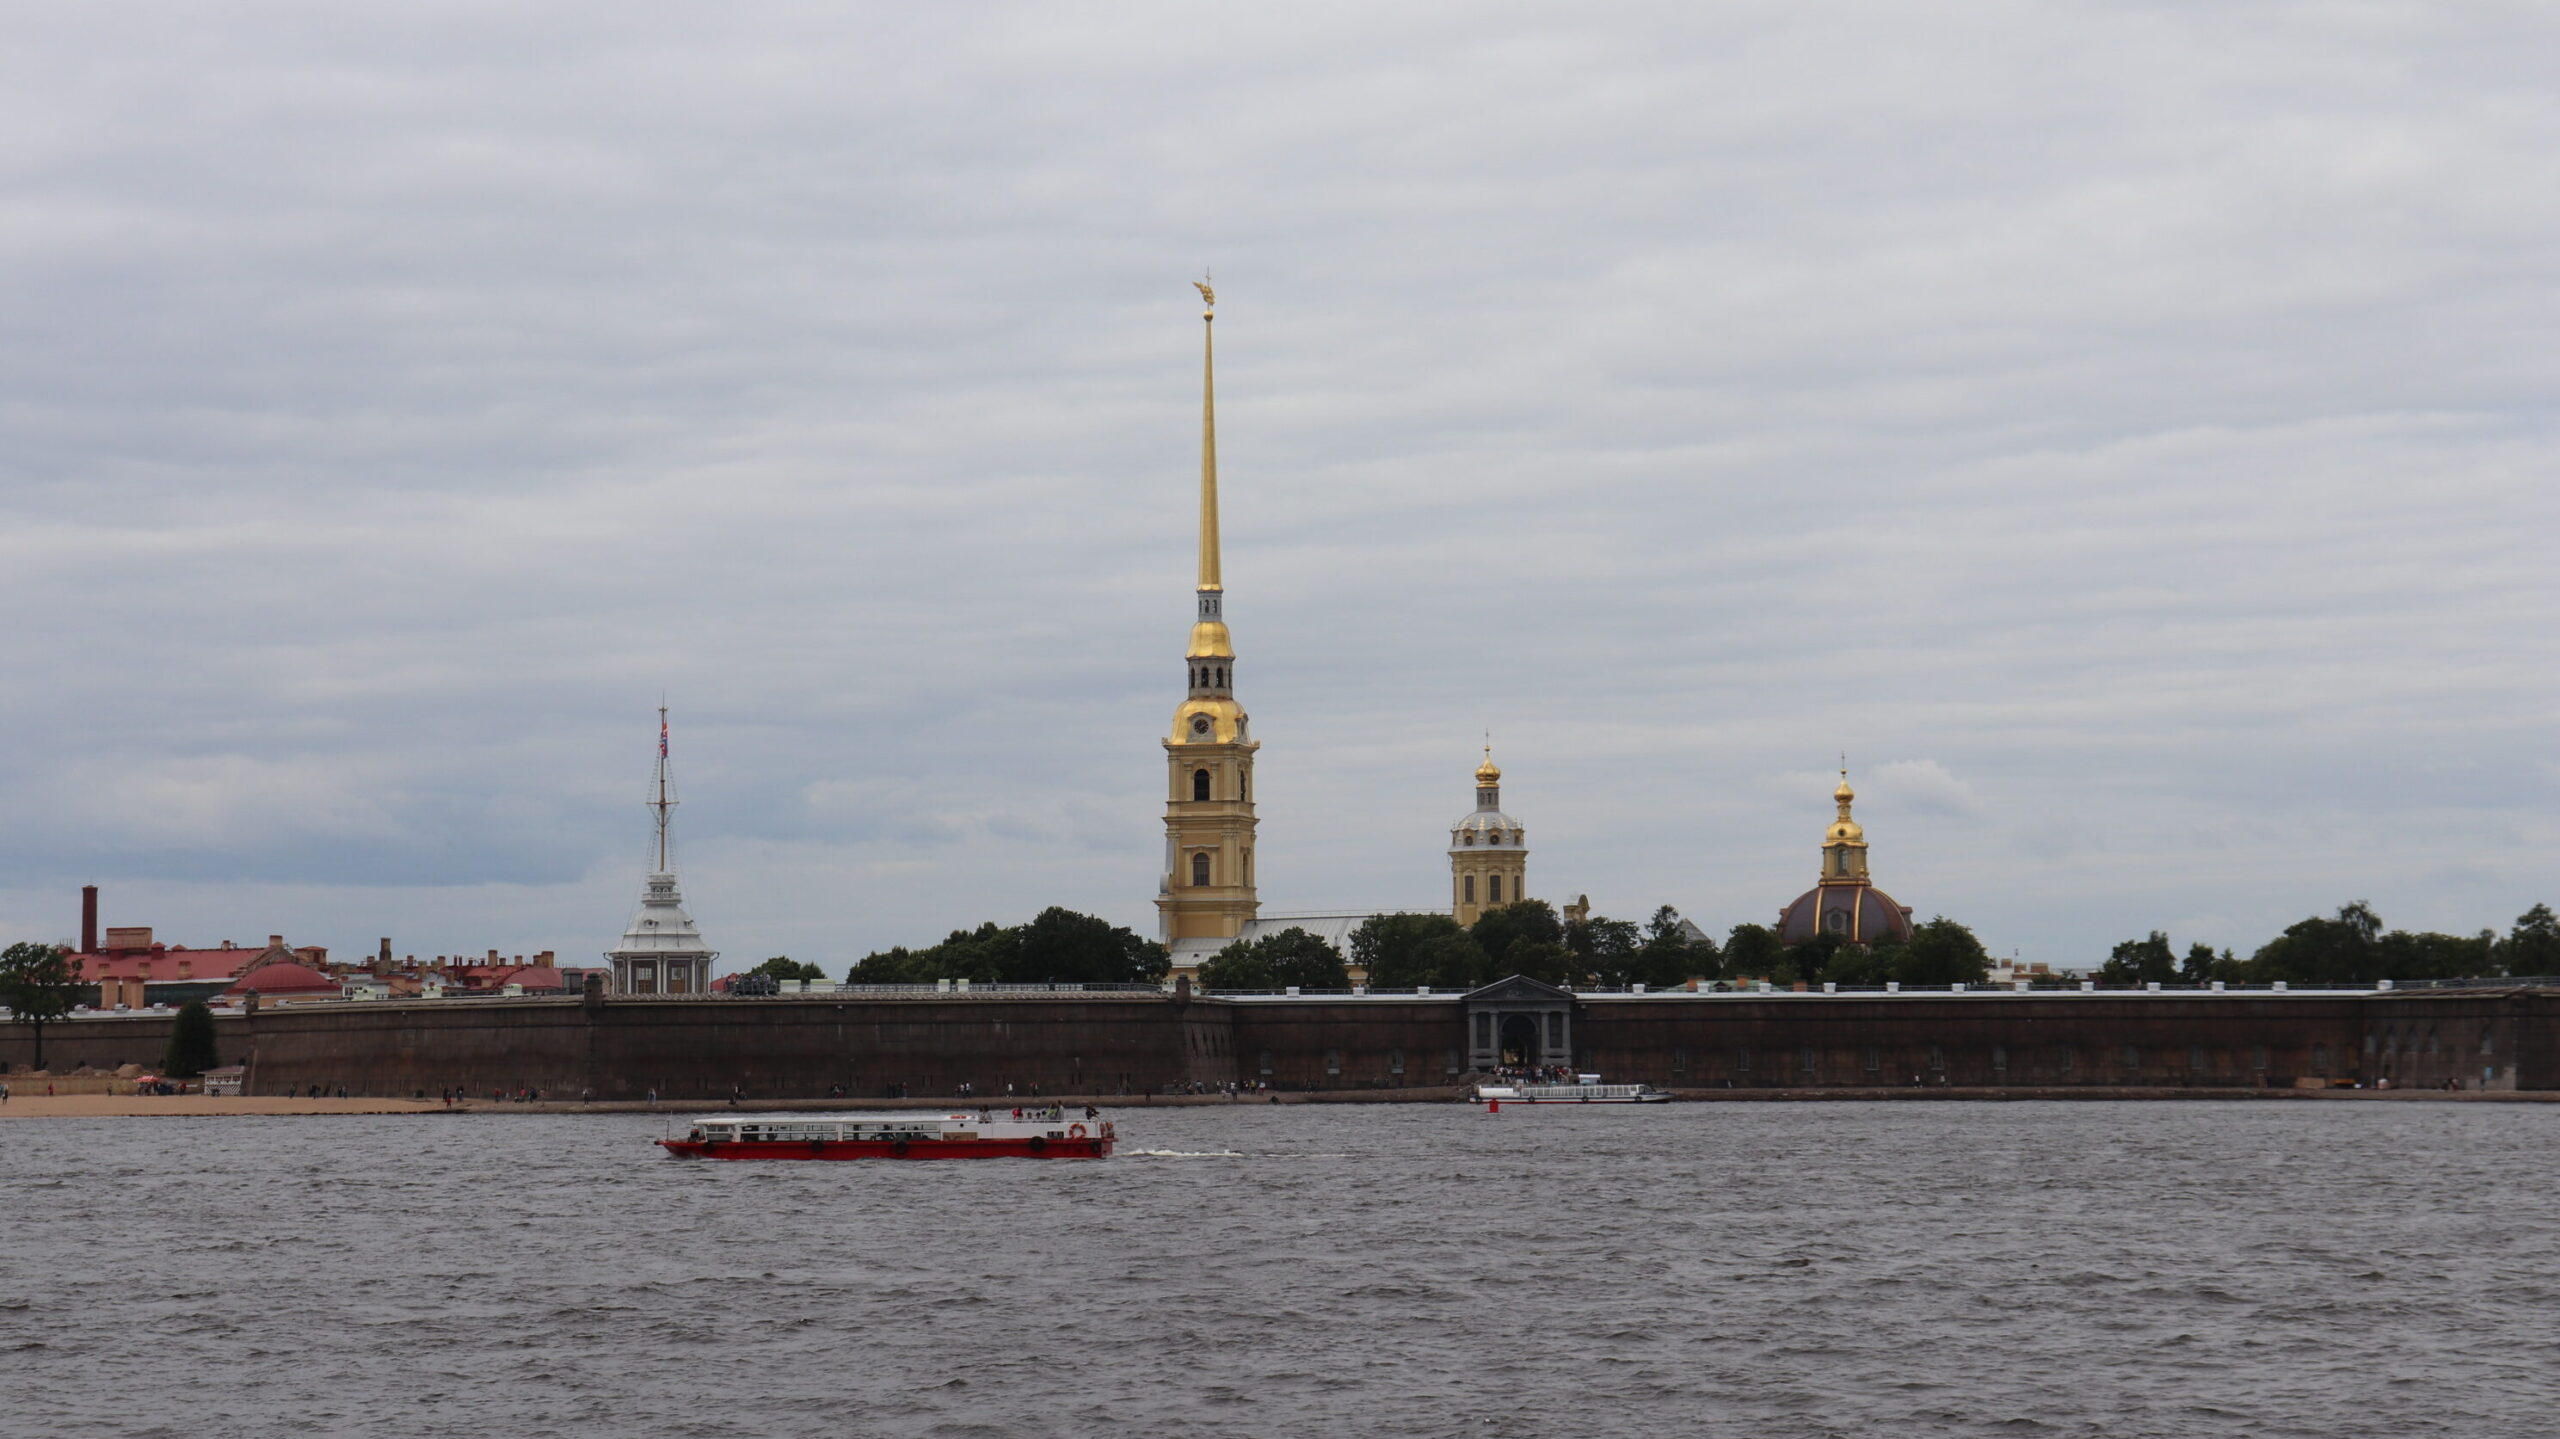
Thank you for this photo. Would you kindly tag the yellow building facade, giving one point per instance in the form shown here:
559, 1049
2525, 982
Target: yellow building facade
1206, 892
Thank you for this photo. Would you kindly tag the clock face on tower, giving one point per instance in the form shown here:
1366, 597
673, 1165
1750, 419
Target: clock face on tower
1200, 725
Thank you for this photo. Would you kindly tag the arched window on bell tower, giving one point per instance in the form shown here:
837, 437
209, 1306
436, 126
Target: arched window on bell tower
1199, 784
1471, 889
1200, 870
1493, 889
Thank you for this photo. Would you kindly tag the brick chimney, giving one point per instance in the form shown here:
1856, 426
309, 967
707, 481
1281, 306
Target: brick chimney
382, 959
88, 919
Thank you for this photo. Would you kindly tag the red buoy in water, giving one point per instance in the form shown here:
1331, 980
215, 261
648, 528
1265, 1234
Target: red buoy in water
1493, 1106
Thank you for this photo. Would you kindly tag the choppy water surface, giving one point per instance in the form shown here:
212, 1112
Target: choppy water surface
1762, 1270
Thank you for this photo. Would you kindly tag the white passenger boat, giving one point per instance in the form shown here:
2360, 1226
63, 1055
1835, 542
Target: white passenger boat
1589, 1091
1047, 1133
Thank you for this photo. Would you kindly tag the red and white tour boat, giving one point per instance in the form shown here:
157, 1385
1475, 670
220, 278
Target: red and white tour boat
1046, 1134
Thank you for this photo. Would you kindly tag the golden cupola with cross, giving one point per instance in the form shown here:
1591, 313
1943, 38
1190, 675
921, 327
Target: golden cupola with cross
1206, 891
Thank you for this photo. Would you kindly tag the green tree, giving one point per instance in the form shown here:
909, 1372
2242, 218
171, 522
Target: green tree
1452, 961
191, 1045
1943, 952
1277, 961
1390, 949
37, 985
1810, 962
784, 967
1603, 950
2141, 961
2533, 946
896, 965
1060, 945
1752, 951
1867, 966
2344, 950
1670, 956
1535, 920
1545, 961
2422, 955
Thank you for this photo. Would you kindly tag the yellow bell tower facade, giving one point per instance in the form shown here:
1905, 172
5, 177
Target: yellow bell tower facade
1207, 887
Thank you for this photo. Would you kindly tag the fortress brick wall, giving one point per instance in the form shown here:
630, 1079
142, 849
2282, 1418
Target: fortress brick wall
802, 1047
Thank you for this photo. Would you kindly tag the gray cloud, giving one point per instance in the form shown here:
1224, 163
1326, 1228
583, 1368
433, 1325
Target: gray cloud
2131, 427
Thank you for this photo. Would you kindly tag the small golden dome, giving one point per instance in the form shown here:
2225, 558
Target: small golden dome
1209, 642
1488, 772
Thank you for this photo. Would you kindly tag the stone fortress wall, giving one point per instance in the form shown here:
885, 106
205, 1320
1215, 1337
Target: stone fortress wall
804, 1047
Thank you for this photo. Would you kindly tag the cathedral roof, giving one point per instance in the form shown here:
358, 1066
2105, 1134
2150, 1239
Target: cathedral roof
1851, 913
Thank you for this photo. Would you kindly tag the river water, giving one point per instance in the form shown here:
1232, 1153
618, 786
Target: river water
2316, 1269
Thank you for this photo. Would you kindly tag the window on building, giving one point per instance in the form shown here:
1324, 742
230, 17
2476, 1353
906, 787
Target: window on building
2488, 1044
1199, 784
1333, 1063
1484, 1031
2195, 1059
1555, 1032
1469, 884
2320, 1057
1266, 1064
1804, 1059
1742, 1057
2000, 1059
1937, 1059
2258, 1058
1395, 1063
1200, 870
1874, 1059
2066, 1059
1493, 888
1680, 1061
2131, 1059
1451, 1066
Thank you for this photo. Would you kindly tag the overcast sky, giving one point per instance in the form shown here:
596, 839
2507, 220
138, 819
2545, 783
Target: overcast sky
2126, 430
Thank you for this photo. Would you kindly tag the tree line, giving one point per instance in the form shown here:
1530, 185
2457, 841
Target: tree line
1058, 946
2350, 947
1405, 951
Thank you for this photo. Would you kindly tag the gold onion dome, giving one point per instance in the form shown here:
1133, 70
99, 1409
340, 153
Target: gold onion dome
1844, 830
1488, 772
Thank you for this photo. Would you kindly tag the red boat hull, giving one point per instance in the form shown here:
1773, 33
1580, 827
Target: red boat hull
1095, 1148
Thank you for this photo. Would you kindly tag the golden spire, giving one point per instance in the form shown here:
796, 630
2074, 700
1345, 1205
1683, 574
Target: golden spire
1208, 437
1488, 772
1209, 630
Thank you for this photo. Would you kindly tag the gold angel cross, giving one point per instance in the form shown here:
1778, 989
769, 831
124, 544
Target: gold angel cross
1208, 296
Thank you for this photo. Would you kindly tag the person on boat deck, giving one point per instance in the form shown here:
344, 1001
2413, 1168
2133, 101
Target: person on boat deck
1092, 1113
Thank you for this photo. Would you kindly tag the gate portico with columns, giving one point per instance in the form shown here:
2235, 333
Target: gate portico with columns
1530, 1022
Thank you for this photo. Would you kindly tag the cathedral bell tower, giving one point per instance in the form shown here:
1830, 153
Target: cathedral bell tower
1488, 852
1206, 890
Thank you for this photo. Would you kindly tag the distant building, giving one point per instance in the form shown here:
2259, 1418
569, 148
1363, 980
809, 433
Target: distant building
1844, 903
661, 952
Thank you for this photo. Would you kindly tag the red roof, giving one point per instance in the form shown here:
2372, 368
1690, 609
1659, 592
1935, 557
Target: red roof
285, 979
531, 976
163, 966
